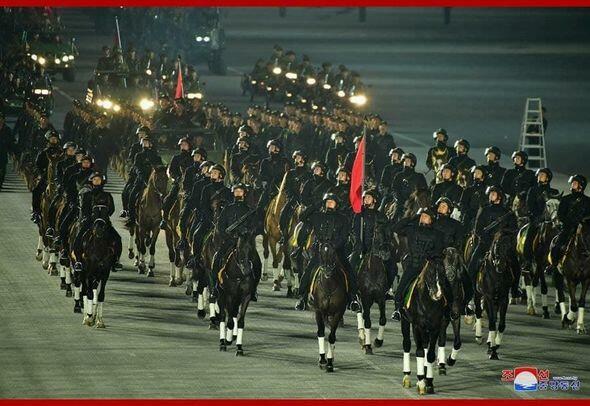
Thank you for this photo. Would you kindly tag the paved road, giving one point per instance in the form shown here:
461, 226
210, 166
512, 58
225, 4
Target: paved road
155, 346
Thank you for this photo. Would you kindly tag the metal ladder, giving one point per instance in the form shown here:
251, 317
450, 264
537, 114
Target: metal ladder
532, 139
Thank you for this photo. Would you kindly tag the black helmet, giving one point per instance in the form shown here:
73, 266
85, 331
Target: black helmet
479, 168
449, 167
240, 186
463, 142
411, 156
330, 196
547, 172
496, 189
398, 151
206, 164
441, 131
52, 133
276, 143
218, 167
449, 203
428, 211
200, 151
87, 158
80, 150
358, 138
299, 153
495, 150
184, 139
245, 139
523, 155
246, 129
319, 164
70, 144
97, 175
580, 178
342, 169
373, 193
143, 129
144, 140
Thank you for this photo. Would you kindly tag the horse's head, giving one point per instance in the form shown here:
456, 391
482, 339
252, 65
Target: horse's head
159, 179
99, 228
419, 198
453, 263
431, 280
501, 249
244, 248
249, 171
327, 255
551, 207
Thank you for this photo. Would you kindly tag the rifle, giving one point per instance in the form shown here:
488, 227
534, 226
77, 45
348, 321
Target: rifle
239, 221
494, 223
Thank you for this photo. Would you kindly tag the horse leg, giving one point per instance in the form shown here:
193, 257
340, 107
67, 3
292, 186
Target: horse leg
420, 372
89, 304
503, 308
334, 322
321, 332
407, 346
171, 257
222, 329
68, 279
530, 294
430, 359
544, 290
559, 293
239, 327
39, 255
152, 263
382, 321
99, 309
77, 286
130, 246
491, 341
53, 265
442, 342
571, 315
45, 261
367, 319
140, 243
478, 314
580, 329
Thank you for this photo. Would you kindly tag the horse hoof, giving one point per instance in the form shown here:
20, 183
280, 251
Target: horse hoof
100, 324
201, 314
179, 281
45, 266
131, 254
213, 326
468, 320
430, 389
581, 330
189, 289
451, 361
276, 287
264, 277
150, 273
172, 283
239, 353
531, 311
39, 255
546, 313
557, 309
406, 382
322, 361
378, 343
478, 340
494, 355
442, 369
77, 308
368, 350
329, 368
421, 387
68, 291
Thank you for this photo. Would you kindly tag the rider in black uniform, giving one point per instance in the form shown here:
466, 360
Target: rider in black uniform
178, 166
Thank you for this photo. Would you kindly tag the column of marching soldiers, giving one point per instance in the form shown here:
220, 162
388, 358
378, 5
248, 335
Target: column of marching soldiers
302, 158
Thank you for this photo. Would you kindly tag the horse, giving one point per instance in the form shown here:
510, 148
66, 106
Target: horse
418, 199
45, 245
454, 270
236, 282
575, 269
272, 235
149, 215
327, 298
424, 313
173, 236
541, 246
372, 287
99, 256
493, 285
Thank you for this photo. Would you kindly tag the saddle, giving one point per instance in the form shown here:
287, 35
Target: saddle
410, 292
313, 279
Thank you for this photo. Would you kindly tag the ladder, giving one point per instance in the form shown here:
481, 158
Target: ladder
532, 139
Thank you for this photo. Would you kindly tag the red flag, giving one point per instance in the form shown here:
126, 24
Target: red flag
358, 178
179, 87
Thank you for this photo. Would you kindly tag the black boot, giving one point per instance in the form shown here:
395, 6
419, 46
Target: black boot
163, 224
301, 304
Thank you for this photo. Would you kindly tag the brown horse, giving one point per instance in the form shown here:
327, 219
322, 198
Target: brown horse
175, 256
327, 298
575, 269
272, 232
46, 239
149, 215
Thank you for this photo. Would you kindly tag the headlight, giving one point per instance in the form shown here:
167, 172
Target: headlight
199, 38
66, 58
99, 102
327, 86
314, 107
291, 75
71, 57
303, 101
359, 100
289, 94
277, 70
116, 108
253, 82
41, 60
341, 93
107, 104
197, 95
164, 77
57, 61
146, 104
148, 72
206, 38
34, 57
37, 91
310, 81
45, 92
268, 88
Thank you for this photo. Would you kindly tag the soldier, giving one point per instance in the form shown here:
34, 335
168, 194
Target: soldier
238, 216
336, 154
448, 187
51, 152
136, 148
294, 140
342, 191
272, 171
517, 182
68, 159
295, 178
379, 146
393, 168
406, 182
573, 209
451, 229
441, 153
192, 173
493, 169
178, 166
462, 162
474, 197
328, 226
6, 145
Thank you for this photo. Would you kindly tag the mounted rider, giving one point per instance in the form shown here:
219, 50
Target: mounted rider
462, 162
272, 171
516, 182
342, 191
95, 203
448, 187
441, 153
474, 197
328, 226
178, 166
494, 171
68, 159
393, 168
406, 182
573, 209
199, 155
234, 220
452, 230
135, 149
42, 161
294, 181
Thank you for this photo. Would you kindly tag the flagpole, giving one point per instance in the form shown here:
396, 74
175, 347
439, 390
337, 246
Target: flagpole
120, 46
364, 145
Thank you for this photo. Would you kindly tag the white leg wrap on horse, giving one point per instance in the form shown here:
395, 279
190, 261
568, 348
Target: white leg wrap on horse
491, 337
454, 353
322, 345
240, 336
543, 300
420, 365
499, 338
478, 327
359, 321
429, 370
534, 295
381, 333
68, 274
407, 362
195, 285
177, 273
216, 308
62, 272
130, 242
77, 293
580, 317
95, 296
222, 330
87, 306
99, 310
200, 303
212, 310
529, 295
441, 355
331, 349
171, 270
562, 308
235, 326
40, 243
229, 335
152, 261
296, 281
571, 315
367, 336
